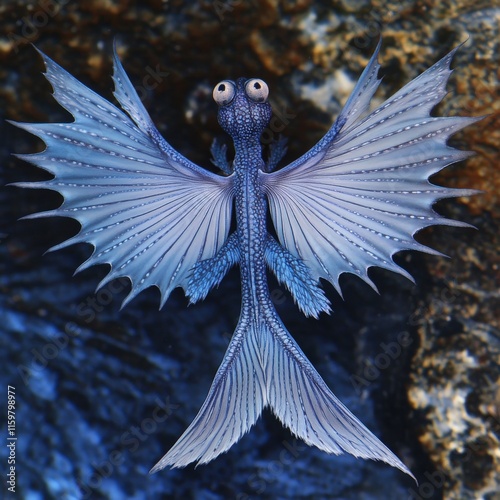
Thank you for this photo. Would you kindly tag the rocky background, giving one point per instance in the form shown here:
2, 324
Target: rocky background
101, 393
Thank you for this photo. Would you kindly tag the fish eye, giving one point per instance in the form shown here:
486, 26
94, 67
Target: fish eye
257, 90
224, 92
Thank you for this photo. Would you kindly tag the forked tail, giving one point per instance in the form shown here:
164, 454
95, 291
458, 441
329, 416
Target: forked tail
263, 366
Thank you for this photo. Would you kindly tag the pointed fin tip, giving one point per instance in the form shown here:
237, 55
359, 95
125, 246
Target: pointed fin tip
163, 300
28, 128
13, 122
443, 221
448, 193
467, 192
160, 466
63, 244
134, 291
453, 51
403, 272
108, 278
111, 277
41, 215
116, 57
68, 243
37, 49
130, 296
38, 185
394, 268
371, 283
47, 61
376, 52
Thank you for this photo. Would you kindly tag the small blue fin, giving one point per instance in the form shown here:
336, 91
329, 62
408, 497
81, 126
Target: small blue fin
210, 272
277, 150
295, 275
219, 156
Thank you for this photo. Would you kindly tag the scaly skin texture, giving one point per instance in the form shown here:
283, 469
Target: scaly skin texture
263, 365
350, 203
251, 209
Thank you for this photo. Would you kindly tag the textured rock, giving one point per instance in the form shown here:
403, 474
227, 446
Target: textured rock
103, 393
455, 372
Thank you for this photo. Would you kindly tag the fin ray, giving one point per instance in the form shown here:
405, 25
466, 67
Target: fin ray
233, 405
363, 192
149, 213
302, 401
263, 366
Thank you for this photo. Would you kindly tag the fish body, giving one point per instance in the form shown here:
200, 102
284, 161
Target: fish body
350, 203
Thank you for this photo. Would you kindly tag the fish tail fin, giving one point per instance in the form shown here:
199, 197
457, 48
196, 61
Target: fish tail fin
264, 366
234, 403
302, 401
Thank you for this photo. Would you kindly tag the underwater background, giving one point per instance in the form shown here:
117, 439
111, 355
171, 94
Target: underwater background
102, 393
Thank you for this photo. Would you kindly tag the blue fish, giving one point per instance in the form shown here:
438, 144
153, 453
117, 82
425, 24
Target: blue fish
350, 203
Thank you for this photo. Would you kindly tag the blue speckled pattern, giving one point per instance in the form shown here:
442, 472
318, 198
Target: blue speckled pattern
350, 203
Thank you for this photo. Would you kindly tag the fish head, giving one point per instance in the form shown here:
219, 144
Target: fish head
244, 111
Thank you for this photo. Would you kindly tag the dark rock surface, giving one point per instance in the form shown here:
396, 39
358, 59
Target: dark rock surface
454, 375
102, 393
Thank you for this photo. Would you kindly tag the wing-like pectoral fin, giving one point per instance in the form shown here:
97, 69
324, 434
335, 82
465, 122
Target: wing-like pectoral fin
295, 275
363, 192
208, 273
149, 213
